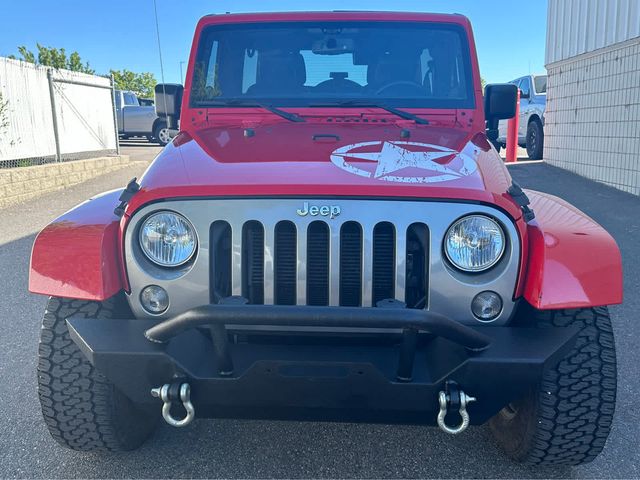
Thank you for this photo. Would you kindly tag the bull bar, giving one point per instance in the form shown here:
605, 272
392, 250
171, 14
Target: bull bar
392, 378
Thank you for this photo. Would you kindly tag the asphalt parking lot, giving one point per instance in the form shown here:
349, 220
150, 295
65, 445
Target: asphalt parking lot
246, 449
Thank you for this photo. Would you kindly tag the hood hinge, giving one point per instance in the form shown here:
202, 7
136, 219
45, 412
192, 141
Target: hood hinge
132, 188
522, 200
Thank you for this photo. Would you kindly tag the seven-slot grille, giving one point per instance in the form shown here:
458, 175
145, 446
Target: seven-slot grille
320, 263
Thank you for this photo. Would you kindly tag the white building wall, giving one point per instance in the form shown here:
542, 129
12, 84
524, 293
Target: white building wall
592, 117
579, 26
84, 113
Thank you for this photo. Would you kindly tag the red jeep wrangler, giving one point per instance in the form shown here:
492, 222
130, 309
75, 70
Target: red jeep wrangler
331, 235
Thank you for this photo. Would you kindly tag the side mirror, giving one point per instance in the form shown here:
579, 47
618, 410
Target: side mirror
524, 95
499, 103
168, 100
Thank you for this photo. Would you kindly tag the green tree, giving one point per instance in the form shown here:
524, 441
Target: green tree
56, 58
483, 83
75, 64
27, 56
142, 84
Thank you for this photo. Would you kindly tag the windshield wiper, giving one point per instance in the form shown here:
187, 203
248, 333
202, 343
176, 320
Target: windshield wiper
366, 103
292, 117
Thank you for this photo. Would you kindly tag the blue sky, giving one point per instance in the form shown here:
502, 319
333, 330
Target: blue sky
510, 36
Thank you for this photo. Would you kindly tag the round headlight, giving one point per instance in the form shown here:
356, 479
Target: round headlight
167, 239
474, 243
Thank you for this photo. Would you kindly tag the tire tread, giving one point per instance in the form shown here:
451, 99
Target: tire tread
79, 404
575, 402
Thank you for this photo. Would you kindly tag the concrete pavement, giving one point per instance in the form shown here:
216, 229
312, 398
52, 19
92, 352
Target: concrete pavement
247, 449
139, 149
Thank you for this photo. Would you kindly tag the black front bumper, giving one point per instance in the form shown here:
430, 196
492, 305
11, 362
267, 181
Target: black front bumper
391, 378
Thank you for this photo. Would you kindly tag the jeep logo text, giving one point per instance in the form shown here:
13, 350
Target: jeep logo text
331, 211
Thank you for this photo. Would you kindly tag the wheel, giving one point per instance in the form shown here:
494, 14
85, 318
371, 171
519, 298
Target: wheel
81, 408
567, 418
535, 140
161, 134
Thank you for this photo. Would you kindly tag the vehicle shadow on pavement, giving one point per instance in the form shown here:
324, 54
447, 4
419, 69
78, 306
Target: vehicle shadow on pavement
259, 449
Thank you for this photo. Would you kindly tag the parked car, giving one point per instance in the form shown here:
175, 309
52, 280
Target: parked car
136, 120
533, 99
330, 236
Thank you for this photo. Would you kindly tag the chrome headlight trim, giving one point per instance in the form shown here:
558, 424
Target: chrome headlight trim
486, 266
181, 221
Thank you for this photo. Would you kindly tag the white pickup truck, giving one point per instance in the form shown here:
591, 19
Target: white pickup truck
135, 120
533, 101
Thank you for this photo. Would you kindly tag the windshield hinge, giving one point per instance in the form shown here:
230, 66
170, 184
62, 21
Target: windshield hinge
127, 194
522, 200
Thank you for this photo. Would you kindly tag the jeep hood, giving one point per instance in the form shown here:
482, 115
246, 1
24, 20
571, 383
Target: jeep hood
327, 160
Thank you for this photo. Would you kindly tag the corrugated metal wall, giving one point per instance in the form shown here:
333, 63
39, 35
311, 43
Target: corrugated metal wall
580, 26
84, 113
592, 117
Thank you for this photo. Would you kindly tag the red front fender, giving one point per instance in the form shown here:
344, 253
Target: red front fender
78, 254
573, 262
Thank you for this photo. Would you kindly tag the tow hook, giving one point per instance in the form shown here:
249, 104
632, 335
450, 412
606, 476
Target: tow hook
451, 398
169, 393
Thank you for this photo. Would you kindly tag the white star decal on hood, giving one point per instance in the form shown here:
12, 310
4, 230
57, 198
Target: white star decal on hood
391, 157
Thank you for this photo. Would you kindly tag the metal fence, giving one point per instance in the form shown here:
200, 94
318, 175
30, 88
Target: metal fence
53, 115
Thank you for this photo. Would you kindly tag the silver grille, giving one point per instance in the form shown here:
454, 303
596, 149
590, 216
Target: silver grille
319, 262
256, 257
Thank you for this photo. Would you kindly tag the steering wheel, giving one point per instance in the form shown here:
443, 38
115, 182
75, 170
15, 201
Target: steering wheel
336, 85
401, 83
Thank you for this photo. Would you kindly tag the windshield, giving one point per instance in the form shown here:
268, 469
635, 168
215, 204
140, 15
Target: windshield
540, 82
310, 64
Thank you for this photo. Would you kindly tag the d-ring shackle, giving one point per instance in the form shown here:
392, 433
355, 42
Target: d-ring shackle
185, 397
444, 401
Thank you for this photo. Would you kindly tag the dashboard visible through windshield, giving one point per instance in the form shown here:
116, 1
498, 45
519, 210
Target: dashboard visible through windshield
421, 65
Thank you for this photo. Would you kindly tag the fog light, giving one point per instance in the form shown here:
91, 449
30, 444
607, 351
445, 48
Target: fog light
486, 306
154, 299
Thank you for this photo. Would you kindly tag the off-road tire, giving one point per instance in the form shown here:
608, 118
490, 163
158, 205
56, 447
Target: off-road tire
535, 140
81, 408
566, 420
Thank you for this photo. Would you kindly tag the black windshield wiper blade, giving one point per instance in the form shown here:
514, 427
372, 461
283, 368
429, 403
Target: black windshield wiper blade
292, 117
364, 103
